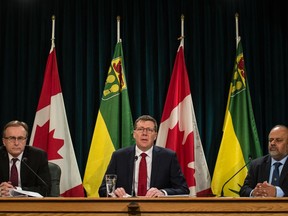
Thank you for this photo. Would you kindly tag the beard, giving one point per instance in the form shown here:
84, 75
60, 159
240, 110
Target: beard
274, 153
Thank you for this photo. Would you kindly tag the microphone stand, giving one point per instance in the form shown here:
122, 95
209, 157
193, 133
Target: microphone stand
222, 190
45, 184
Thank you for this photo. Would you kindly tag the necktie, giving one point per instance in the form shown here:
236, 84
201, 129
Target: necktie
14, 173
275, 176
142, 179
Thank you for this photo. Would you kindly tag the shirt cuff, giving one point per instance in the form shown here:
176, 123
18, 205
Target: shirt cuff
165, 193
279, 192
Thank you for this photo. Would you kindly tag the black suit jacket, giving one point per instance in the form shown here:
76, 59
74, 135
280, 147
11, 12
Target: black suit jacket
259, 171
166, 173
37, 160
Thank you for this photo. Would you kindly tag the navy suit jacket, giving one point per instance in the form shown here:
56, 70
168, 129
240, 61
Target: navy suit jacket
259, 171
37, 160
166, 172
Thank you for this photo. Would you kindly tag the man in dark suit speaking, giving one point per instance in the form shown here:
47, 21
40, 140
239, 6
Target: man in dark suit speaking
17, 160
161, 175
268, 175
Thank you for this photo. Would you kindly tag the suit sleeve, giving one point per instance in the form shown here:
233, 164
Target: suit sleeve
38, 162
167, 174
177, 182
284, 181
121, 164
110, 169
250, 181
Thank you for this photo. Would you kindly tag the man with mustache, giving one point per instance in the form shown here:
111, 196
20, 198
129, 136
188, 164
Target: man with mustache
260, 181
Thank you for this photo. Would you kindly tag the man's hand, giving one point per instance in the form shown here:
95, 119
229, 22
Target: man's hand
154, 192
264, 190
120, 192
5, 188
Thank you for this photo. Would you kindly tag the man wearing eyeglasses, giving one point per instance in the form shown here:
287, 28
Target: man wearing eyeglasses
161, 174
17, 159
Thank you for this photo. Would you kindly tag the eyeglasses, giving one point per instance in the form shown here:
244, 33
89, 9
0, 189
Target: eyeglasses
13, 139
148, 130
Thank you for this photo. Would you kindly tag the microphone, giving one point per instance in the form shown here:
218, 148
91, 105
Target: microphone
24, 161
222, 190
133, 180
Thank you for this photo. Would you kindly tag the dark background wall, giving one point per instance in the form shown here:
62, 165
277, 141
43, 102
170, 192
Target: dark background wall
85, 39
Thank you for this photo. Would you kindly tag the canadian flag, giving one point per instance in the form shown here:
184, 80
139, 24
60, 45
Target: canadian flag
178, 130
51, 131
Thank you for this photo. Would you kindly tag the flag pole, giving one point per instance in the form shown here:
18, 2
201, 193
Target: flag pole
237, 31
53, 33
182, 31
118, 29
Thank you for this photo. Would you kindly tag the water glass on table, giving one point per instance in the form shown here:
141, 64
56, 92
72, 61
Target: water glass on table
111, 180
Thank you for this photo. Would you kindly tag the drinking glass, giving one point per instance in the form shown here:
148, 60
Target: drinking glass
111, 180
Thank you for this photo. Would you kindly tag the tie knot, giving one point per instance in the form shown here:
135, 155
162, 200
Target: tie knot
14, 160
143, 155
277, 165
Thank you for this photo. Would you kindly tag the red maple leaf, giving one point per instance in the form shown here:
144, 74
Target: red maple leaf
44, 139
185, 152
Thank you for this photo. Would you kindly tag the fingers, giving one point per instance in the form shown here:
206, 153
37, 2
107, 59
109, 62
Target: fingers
264, 190
120, 192
154, 192
5, 189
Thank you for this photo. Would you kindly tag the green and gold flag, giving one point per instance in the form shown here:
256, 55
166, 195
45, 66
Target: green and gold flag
114, 125
240, 138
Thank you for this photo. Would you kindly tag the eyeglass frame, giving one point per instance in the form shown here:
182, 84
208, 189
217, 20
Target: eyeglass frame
142, 129
13, 139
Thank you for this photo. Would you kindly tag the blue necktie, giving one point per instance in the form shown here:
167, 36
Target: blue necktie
276, 176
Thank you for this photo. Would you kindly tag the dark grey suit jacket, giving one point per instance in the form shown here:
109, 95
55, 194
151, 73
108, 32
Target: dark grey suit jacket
37, 160
166, 173
259, 171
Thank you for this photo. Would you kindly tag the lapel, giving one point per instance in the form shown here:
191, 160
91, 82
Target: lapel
155, 165
267, 168
284, 172
24, 170
131, 164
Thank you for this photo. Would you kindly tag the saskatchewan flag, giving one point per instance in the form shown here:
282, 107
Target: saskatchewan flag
240, 140
114, 126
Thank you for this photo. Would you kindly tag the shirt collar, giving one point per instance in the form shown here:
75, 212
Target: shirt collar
148, 152
11, 157
281, 161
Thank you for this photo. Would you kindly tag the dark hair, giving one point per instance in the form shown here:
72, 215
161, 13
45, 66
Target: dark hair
146, 118
16, 123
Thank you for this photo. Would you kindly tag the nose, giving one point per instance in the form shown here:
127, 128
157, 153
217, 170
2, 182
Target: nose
16, 141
